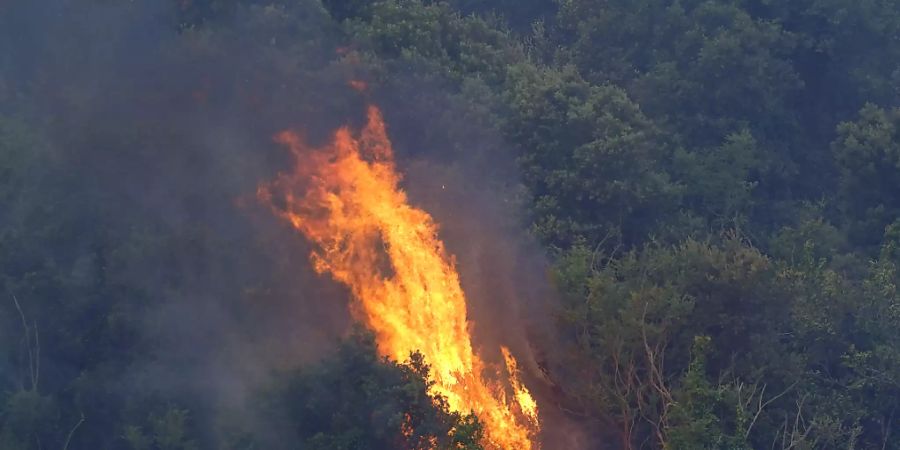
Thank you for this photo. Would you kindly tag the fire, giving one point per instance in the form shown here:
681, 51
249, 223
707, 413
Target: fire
345, 198
523, 397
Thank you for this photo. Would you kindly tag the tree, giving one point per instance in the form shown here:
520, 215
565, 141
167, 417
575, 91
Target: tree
633, 320
168, 431
519, 14
342, 10
703, 415
867, 152
589, 157
355, 399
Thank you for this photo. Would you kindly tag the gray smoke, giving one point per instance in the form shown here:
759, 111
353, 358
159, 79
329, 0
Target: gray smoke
170, 126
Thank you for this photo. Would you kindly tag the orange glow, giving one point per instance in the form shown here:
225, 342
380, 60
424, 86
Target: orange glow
345, 198
359, 86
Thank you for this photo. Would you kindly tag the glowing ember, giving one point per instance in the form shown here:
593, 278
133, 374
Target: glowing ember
345, 198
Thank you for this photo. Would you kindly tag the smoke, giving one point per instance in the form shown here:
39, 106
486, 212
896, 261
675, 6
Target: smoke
168, 127
462, 172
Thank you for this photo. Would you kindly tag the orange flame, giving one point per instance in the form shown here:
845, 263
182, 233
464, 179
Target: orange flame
345, 198
523, 396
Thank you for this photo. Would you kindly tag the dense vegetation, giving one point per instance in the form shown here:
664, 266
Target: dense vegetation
716, 184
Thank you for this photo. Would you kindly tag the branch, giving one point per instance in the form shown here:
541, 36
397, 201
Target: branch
761, 406
657, 379
886, 429
798, 434
37, 356
72, 432
34, 351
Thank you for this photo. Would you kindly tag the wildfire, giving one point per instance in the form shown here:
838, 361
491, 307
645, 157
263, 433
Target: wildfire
345, 198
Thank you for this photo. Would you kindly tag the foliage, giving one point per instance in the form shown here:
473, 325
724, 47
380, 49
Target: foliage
590, 158
867, 152
354, 399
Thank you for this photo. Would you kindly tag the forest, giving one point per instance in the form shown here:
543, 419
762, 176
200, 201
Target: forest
681, 216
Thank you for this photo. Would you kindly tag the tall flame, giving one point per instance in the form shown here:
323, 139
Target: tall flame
345, 198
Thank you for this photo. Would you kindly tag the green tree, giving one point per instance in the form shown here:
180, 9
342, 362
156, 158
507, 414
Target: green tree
633, 320
701, 411
719, 183
867, 152
355, 399
435, 39
589, 157
520, 14
353, 9
168, 431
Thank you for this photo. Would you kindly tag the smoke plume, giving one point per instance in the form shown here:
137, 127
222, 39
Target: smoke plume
169, 124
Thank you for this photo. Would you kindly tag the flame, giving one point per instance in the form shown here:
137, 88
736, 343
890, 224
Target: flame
523, 396
345, 198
